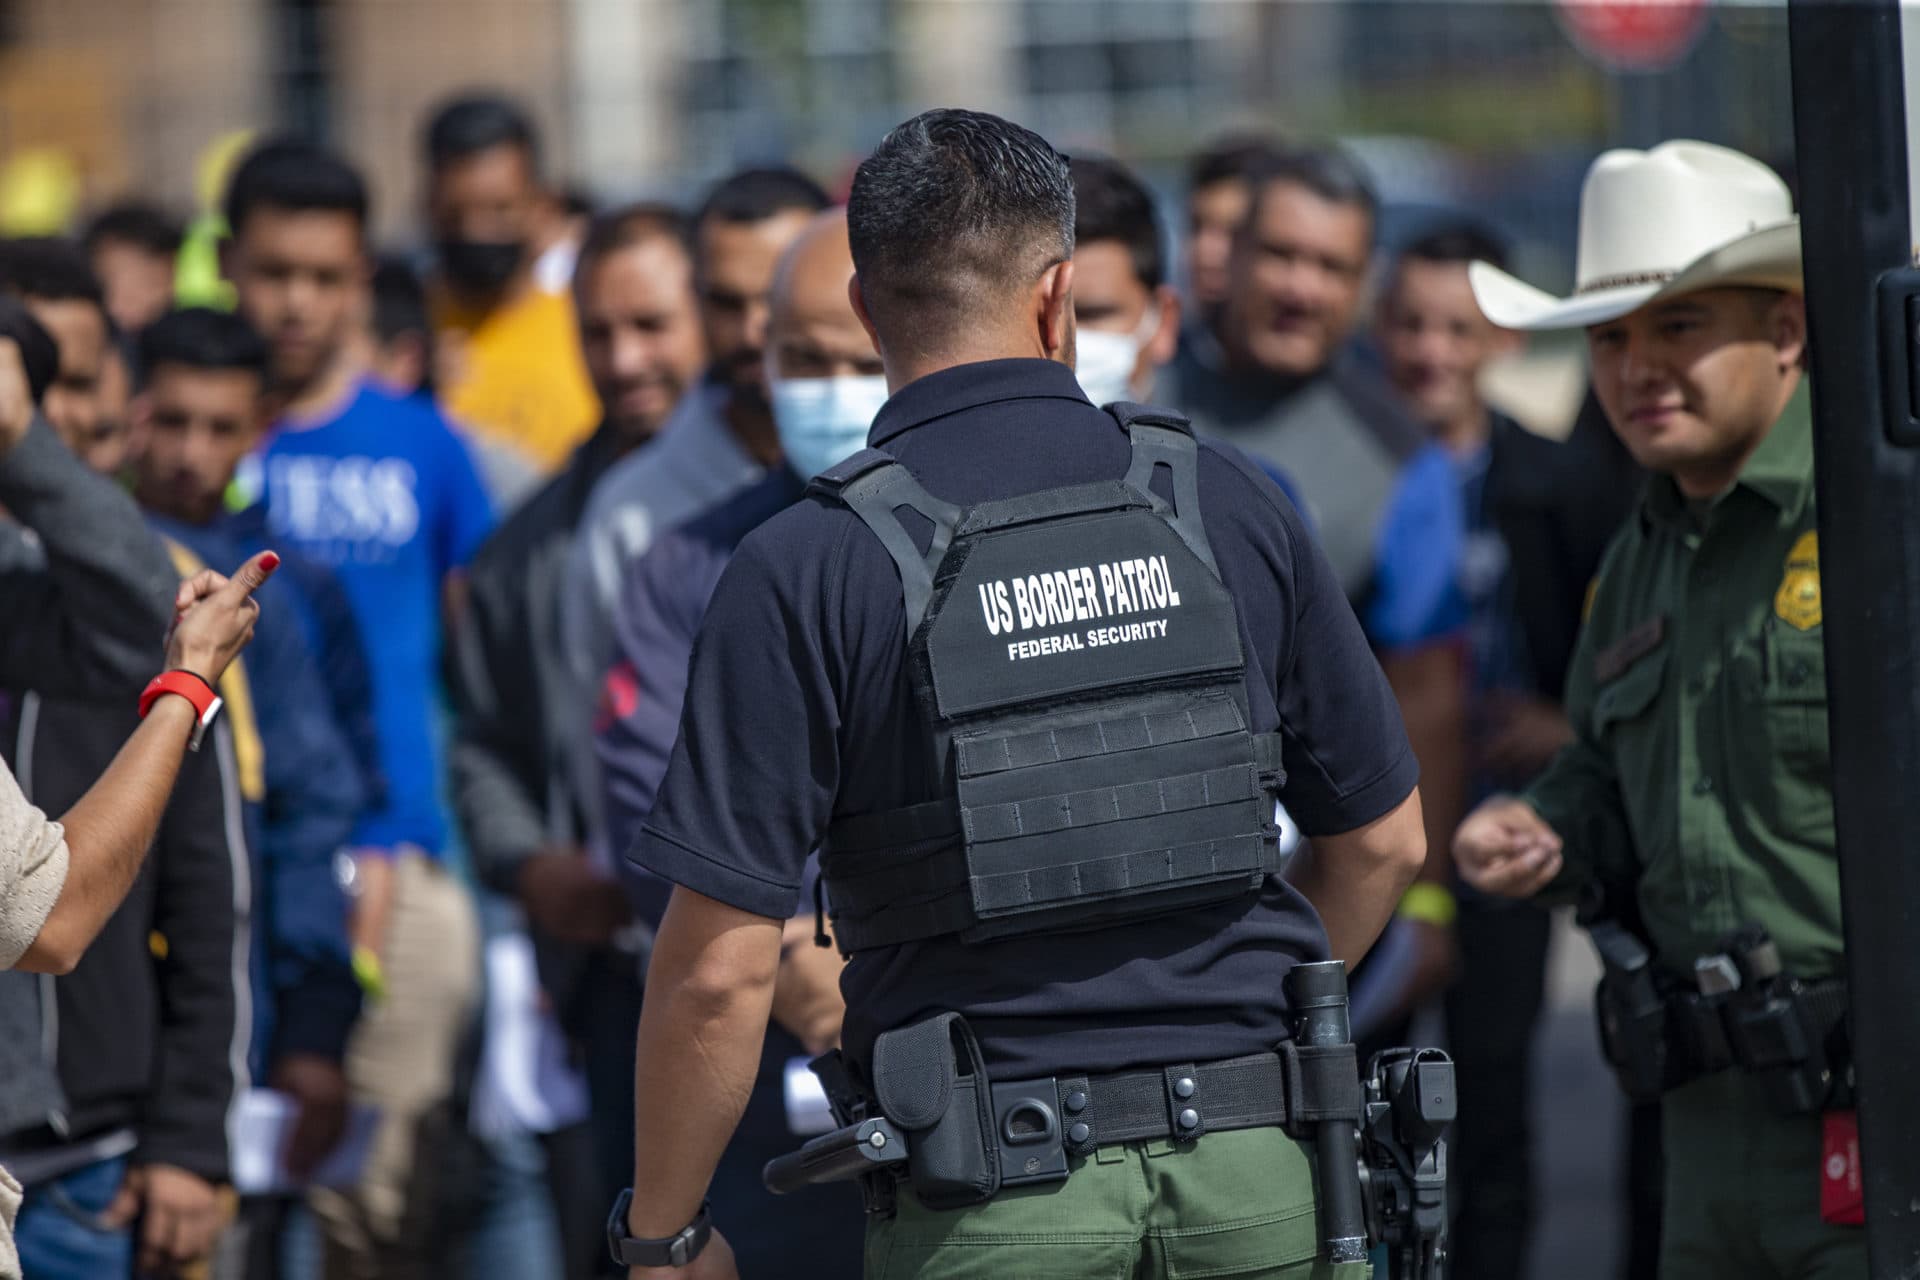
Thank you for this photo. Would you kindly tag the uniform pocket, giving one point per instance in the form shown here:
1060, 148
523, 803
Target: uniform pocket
1793, 687
1626, 699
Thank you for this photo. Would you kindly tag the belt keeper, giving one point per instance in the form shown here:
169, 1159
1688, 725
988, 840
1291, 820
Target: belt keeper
1077, 1132
1186, 1111
1323, 1083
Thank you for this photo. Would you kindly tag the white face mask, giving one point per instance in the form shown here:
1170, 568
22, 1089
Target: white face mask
1104, 362
822, 421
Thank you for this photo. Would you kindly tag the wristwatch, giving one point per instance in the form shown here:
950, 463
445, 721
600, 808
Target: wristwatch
195, 689
676, 1250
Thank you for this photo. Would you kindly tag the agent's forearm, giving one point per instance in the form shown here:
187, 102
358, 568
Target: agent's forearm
709, 991
1355, 879
109, 830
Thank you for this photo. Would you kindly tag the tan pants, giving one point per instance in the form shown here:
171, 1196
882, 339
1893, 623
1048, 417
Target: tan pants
400, 1060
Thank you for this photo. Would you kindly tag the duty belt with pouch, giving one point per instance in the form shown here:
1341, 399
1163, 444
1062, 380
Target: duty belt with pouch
933, 1114
1741, 1011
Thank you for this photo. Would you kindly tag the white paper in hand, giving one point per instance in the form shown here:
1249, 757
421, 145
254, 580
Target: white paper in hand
807, 1109
261, 1127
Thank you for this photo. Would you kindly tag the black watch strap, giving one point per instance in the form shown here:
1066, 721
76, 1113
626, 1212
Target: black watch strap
676, 1250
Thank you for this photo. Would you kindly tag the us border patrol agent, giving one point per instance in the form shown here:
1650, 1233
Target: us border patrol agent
1031, 675
1694, 808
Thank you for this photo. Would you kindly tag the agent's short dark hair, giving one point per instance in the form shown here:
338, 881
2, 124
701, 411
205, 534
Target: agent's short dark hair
467, 125
294, 176
1326, 169
51, 269
630, 225
205, 339
38, 351
1455, 243
954, 207
755, 195
146, 227
1111, 204
399, 300
1233, 157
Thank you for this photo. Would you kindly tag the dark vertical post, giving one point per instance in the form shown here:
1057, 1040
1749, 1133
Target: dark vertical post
1850, 133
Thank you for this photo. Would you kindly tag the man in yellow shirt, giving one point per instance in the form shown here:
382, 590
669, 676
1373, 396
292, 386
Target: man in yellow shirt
510, 364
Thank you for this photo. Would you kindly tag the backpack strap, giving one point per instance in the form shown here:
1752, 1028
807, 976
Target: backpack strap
1163, 438
874, 486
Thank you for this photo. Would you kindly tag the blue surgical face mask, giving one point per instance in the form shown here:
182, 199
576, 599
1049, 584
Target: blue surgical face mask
1104, 362
824, 420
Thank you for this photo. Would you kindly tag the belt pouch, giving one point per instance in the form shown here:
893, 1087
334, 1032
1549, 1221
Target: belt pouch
930, 1079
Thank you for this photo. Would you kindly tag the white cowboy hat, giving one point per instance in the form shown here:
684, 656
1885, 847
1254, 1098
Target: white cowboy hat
1654, 224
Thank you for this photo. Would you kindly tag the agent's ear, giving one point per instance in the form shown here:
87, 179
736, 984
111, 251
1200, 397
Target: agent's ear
1165, 342
1053, 298
859, 302
1788, 323
858, 299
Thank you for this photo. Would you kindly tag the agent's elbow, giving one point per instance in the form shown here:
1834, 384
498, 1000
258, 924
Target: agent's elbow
1409, 856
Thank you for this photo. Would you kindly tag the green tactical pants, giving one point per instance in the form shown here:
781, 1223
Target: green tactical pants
1232, 1204
1743, 1191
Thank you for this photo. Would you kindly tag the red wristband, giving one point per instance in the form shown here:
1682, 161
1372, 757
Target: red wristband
192, 687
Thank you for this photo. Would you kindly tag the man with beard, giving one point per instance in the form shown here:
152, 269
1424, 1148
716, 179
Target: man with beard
511, 368
721, 436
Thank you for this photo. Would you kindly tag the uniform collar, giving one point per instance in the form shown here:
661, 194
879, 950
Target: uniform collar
968, 386
1780, 470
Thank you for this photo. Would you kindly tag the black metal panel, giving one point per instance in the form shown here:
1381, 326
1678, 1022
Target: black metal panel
1850, 135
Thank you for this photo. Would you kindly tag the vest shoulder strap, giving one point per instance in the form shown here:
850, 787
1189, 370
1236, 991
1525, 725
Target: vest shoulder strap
874, 486
1162, 437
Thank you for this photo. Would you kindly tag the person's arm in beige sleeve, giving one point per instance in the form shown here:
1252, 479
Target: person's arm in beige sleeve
63, 880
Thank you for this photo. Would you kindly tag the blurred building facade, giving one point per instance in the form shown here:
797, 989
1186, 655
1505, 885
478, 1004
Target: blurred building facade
653, 96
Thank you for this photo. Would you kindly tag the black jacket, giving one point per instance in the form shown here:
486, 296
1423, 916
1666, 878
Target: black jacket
1557, 506
142, 1047
520, 738
522, 759
147, 1033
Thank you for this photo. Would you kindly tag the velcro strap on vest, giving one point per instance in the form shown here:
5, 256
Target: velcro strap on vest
1131, 1106
844, 472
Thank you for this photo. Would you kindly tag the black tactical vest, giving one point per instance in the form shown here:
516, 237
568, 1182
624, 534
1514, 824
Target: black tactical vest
1078, 663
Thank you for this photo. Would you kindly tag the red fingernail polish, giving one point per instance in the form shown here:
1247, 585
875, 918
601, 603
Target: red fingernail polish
271, 560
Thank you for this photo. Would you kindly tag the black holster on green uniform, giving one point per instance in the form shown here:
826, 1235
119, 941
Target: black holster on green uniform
932, 1117
1078, 662
1659, 1033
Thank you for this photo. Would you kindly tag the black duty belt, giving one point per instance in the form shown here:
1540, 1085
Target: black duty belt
1179, 1102
962, 1135
1741, 1011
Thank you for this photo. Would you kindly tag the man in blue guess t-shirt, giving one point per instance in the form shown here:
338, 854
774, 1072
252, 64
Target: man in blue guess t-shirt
382, 492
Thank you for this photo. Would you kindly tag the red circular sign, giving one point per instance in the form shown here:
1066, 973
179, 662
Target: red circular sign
1634, 35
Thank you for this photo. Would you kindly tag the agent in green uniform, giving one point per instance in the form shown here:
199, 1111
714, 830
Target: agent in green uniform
1699, 780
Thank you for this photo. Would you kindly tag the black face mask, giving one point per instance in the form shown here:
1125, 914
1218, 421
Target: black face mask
480, 266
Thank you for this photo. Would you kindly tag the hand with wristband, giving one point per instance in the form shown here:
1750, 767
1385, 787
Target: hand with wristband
213, 618
108, 830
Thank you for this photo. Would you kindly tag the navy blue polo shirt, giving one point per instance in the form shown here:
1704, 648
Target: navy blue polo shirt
799, 709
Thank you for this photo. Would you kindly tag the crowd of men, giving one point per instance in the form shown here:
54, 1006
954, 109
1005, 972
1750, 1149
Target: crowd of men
504, 476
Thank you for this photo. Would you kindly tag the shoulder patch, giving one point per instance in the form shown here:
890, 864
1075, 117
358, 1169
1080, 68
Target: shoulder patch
1797, 602
1612, 662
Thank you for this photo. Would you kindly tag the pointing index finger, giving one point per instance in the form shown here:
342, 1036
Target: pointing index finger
247, 579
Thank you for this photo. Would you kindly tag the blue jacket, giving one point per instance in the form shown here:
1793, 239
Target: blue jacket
306, 995
332, 638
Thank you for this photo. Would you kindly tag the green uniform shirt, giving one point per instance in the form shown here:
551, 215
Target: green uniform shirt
1698, 697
